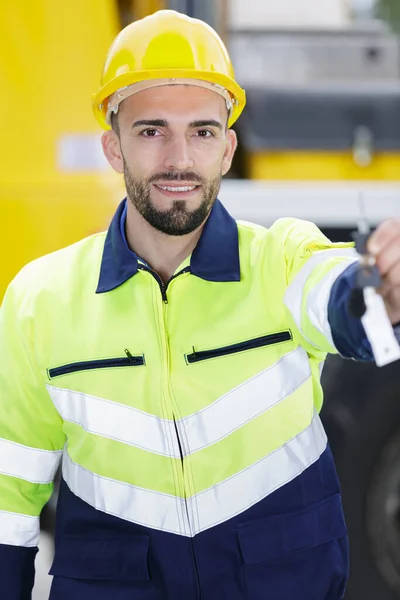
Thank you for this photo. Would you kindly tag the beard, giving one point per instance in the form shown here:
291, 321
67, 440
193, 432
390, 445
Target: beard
177, 220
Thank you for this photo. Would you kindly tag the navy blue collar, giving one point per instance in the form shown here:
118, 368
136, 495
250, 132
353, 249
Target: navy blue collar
215, 258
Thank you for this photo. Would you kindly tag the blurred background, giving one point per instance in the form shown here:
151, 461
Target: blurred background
319, 139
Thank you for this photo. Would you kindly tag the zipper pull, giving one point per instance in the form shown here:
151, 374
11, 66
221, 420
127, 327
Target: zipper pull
129, 355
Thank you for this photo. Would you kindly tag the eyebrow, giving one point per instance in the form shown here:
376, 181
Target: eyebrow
164, 123
206, 123
151, 123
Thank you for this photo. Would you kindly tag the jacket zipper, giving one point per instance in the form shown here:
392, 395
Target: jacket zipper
265, 340
171, 412
103, 363
163, 287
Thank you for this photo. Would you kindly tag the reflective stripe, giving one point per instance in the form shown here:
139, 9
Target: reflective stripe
244, 403
225, 415
145, 507
235, 495
318, 299
19, 530
208, 508
31, 464
116, 421
294, 294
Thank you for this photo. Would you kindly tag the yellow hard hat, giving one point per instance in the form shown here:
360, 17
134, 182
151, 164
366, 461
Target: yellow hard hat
166, 48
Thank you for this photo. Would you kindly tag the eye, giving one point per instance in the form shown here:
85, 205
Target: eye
205, 133
150, 132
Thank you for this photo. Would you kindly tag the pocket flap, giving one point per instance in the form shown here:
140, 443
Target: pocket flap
275, 537
81, 558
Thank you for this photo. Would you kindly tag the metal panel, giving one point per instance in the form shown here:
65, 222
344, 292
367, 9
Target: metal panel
291, 13
327, 204
325, 117
268, 57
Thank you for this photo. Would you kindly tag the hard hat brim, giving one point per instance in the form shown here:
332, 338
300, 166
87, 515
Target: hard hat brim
100, 99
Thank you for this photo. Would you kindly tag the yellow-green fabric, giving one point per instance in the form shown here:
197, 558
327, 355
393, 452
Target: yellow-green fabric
51, 316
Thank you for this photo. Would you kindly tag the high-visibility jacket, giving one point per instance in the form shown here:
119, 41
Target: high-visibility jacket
194, 462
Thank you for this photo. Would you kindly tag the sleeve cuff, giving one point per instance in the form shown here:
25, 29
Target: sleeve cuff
348, 334
17, 572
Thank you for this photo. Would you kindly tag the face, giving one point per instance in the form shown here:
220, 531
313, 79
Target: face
173, 148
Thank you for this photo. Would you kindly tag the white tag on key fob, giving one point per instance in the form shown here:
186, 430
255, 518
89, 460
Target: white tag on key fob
379, 329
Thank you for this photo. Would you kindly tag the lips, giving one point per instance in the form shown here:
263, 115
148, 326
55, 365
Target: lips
177, 191
177, 188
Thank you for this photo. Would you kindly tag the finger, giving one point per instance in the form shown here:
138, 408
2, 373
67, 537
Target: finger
392, 308
388, 259
391, 280
392, 303
383, 235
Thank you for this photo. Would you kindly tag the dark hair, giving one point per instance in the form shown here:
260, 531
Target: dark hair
114, 123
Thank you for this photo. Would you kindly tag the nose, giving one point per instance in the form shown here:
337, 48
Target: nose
178, 155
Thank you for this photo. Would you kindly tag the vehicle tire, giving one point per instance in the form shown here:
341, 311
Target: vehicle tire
361, 415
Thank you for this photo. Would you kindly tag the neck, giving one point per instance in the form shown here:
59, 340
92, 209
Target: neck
163, 253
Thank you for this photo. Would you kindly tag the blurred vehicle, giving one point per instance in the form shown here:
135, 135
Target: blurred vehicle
322, 126
55, 185
321, 129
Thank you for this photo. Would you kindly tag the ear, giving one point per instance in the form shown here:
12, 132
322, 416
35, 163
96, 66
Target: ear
231, 145
112, 150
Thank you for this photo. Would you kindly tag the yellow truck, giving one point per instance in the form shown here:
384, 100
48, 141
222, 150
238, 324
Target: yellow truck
55, 186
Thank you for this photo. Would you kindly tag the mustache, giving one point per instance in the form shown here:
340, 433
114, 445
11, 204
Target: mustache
188, 176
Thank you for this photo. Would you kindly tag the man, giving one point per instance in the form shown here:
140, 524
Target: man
174, 363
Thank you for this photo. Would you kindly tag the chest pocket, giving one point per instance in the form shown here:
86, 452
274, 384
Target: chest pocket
259, 342
102, 363
303, 555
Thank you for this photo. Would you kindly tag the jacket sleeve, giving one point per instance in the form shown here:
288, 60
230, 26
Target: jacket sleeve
320, 279
31, 442
313, 265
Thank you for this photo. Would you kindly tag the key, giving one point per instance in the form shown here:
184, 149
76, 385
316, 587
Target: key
367, 275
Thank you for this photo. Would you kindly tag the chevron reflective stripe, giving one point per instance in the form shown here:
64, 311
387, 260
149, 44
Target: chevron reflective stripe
116, 421
145, 507
201, 429
206, 509
234, 409
31, 464
19, 530
238, 493
317, 302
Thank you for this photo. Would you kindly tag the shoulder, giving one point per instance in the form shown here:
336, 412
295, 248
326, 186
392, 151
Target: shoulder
289, 234
281, 227
282, 232
60, 271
